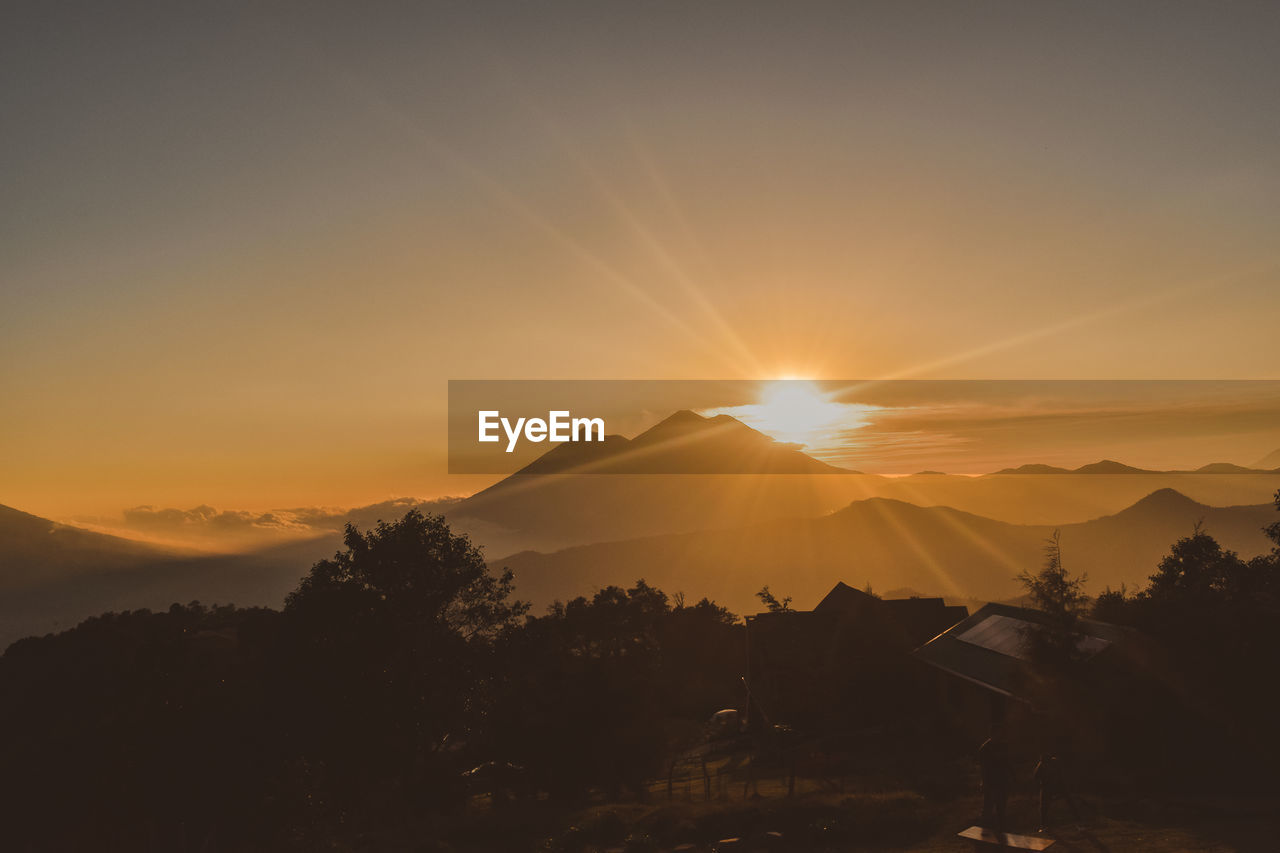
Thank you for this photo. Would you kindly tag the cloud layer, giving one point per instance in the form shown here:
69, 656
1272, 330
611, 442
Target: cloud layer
205, 526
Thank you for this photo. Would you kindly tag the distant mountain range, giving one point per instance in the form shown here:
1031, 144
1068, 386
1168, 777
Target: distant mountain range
688, 443
1107, 466
683, 443
54, 575
718, 532
889, 544
554, 502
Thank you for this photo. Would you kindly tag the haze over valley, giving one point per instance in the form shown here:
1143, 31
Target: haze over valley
721, 535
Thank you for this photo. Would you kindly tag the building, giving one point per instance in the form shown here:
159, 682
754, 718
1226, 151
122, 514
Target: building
991, 678
846, 663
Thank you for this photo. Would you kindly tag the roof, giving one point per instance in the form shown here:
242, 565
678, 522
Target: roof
922, 617
908, 621
844, 598
988, 648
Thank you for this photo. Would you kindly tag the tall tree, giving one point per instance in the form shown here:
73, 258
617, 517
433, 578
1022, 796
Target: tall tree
1273, 531
1053, 589
1061, 597
395, 642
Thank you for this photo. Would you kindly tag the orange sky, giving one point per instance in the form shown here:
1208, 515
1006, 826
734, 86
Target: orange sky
241, 255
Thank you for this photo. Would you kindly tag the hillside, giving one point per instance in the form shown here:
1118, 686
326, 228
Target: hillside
1271, 461
548, 513
889, 544
35, 549
54, 575
724, 536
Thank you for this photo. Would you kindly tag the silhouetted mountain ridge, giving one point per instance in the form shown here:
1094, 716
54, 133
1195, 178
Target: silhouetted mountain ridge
1270, 461
34, 548
682, 443
1110, 466
890, 544
1163, 501
54, 575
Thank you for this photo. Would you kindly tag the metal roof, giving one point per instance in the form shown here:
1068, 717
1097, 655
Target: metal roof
988, 648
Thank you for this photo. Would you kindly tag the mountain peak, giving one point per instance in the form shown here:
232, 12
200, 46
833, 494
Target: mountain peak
684, 442
1164, 500
1223, 468
1270, 462
686, 423
681, 418
1034, 468
1109, 466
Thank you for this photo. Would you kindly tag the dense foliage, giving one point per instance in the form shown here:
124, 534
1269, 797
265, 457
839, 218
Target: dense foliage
394, 668
1213, 616
403, 662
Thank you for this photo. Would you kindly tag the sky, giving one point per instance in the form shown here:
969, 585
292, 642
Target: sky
244, 247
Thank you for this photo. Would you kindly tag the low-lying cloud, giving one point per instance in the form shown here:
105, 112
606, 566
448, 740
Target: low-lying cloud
207, 527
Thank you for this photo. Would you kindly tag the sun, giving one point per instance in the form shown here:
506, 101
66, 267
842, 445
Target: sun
796, 411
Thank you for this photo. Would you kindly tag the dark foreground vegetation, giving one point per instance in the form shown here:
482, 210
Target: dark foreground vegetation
404, 699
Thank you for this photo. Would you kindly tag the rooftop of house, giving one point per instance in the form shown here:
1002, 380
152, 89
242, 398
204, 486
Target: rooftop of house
918, 618
989, 648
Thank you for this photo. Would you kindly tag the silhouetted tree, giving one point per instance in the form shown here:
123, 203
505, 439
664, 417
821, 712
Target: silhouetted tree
1061, 597
393, 639
1053, 589
137, 730
1273, 531
1213, 614
1197, 571
772, 602
596, 687
1111, 604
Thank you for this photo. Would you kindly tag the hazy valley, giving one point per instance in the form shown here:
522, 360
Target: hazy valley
720, 535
